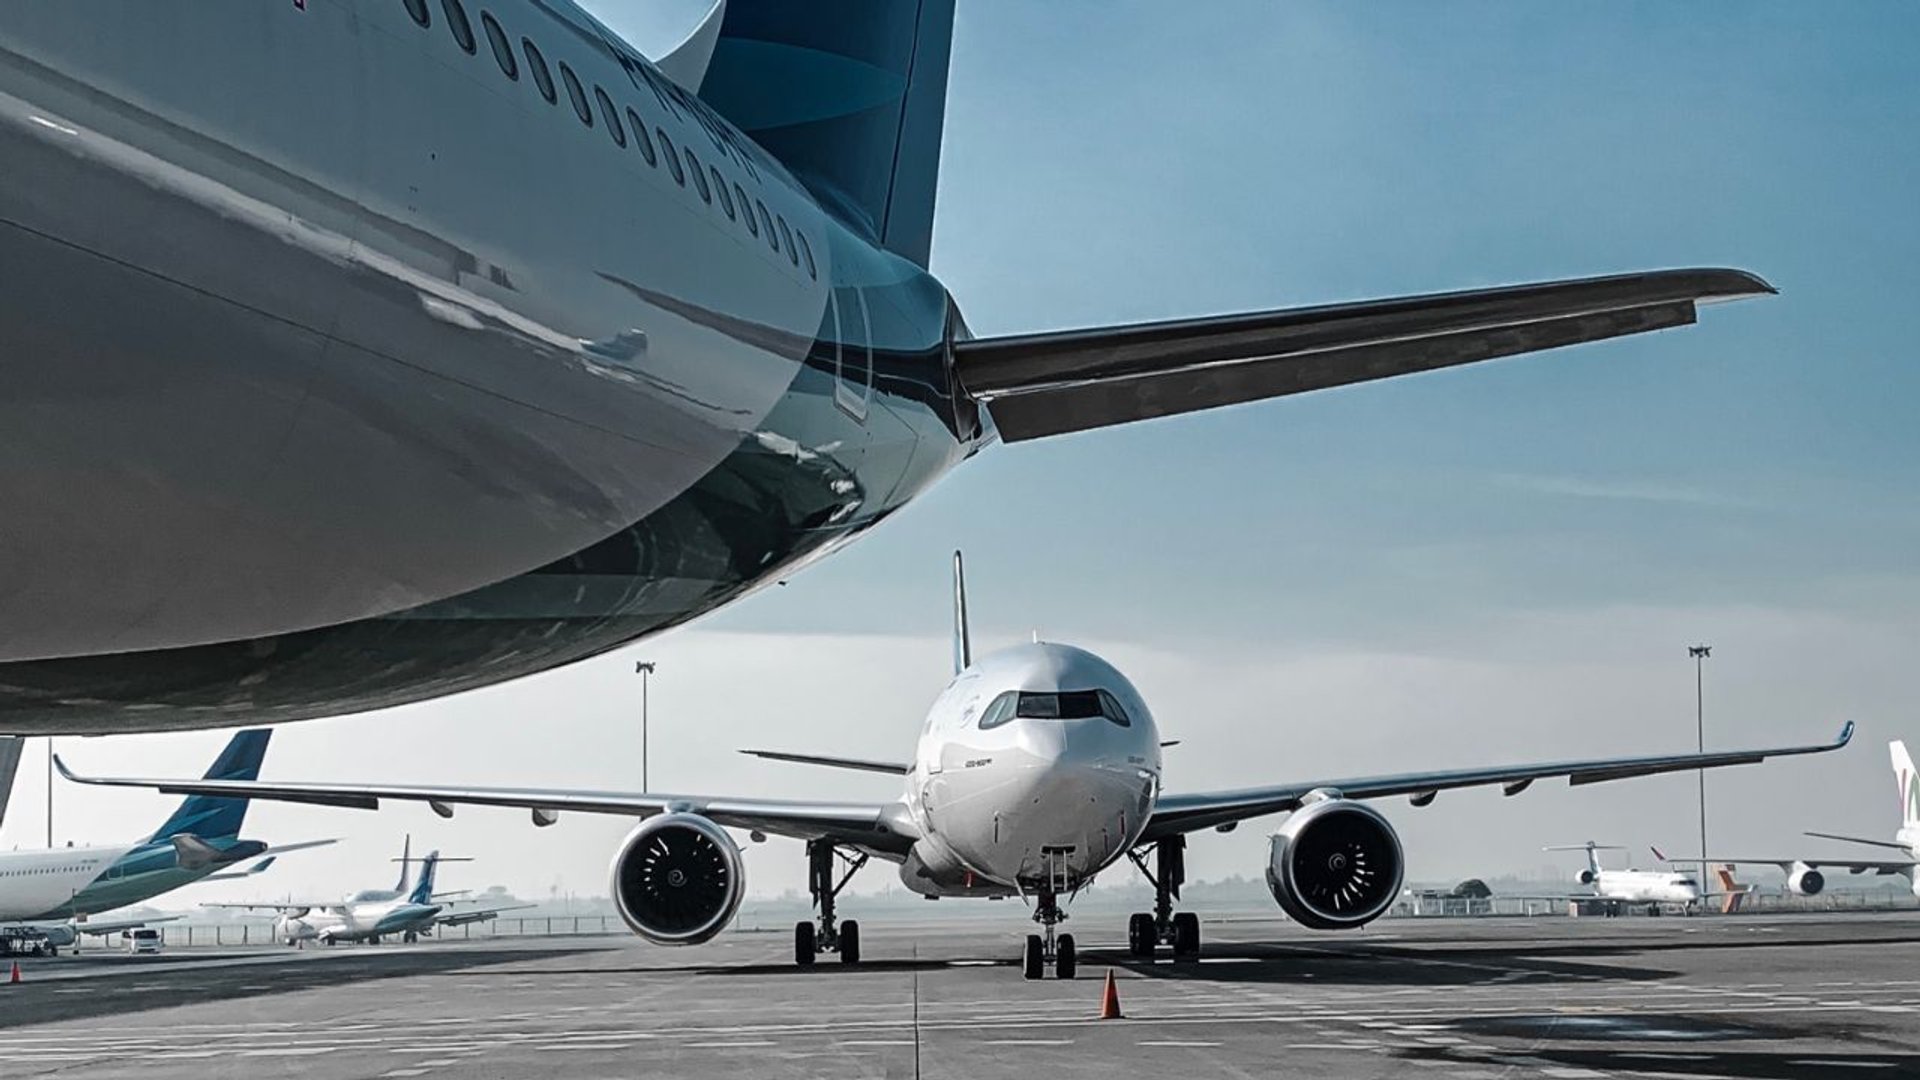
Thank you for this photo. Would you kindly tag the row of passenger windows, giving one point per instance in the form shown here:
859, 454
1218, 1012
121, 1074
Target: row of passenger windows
40, 871
1063, 705
707, 180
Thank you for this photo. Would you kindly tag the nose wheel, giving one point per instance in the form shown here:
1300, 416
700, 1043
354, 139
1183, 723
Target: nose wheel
1181, 930
1048, 946
830, 934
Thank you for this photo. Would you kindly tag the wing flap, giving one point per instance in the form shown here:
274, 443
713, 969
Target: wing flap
1049, 384
892, 768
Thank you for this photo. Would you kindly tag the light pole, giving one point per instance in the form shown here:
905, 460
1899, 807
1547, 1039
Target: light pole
644, 669
1699, 653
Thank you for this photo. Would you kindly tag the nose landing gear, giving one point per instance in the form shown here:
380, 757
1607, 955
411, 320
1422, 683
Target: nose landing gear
1047, 945
830, 935
1146, 933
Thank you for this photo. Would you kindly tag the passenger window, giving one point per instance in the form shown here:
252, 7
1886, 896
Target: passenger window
786, 235
806, 251
767, 220
502, 48
611, 116
673, 160
699, 178
537, 64
746, 209
576, 94
640, 136
418, 9
720, 188
457, 22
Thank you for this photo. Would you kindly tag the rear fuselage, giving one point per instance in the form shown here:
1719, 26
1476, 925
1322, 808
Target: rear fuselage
357, 372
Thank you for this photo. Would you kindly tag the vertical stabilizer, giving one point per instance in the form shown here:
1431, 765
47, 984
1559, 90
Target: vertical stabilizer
962, 635
1909, 784
851, 95
406, 864
423, 892
9, 764
212, 818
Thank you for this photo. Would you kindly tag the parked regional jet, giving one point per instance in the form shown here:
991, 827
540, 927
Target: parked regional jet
46, 895
1804, 876
652, 334
1037, 768
373, 914
1617, 890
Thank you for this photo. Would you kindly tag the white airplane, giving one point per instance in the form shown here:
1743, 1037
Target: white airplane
1037, 768
653, 333
371, 915
48, 894
1804, 875
1620, 889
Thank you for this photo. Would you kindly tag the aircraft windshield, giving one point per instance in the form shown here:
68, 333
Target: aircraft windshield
1053, 705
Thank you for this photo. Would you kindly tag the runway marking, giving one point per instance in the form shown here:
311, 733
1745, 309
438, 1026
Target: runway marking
1176, 1043
403, 1072
730, 1045
875, 1042
289, 1051
1029, 1042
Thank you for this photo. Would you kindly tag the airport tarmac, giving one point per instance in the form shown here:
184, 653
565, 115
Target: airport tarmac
1472, 999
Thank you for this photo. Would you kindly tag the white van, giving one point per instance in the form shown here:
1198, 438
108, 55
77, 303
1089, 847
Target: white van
143, 939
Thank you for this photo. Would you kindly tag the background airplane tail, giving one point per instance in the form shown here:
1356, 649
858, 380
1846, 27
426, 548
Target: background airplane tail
406, 863
851, 95
1909, 784
423, 892
212, 818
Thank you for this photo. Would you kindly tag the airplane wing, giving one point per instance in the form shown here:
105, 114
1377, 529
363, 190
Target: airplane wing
1178, 814
477, 915
233, 875
1786, 865
883, 828
99, 928
1860, 840
283, 905
894, 768
1048, 384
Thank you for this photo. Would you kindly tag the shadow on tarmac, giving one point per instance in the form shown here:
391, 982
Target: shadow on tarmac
190, 980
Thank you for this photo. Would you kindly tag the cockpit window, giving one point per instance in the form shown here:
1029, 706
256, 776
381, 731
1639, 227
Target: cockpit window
1060, 705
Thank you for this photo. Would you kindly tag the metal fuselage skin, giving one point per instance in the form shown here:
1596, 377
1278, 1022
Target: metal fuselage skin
355, 372
61, 883
1033, 804
1646, 887
362, 916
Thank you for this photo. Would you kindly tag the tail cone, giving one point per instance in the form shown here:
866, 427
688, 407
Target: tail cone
1110, 999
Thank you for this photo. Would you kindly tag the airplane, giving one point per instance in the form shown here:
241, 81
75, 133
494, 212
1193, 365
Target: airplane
373, 914
1617, 890
47, 895
1037, 768
654, 334
1804, 875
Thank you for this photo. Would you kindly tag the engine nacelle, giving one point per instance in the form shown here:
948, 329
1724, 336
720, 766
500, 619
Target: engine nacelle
1804, 880
1335, 865
678, 879
1586, 877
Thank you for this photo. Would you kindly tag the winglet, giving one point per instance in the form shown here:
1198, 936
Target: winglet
962, 636
1846, 735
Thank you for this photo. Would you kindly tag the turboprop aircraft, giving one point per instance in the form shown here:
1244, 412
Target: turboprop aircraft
1037, 768
418, 345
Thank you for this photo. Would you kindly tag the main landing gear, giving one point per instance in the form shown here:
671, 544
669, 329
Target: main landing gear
1146, 933
1046, 945
829, 936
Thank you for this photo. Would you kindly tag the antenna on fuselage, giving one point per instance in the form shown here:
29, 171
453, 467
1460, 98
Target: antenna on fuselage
962, 637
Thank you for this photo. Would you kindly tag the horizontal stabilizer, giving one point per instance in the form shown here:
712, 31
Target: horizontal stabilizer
892, 768
1049, 384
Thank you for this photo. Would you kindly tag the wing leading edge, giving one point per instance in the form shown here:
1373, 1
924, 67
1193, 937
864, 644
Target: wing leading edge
1177, 814
1037, 385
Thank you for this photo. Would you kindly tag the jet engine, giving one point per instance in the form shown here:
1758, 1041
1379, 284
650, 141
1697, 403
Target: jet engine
678, 879
1586, 877
1335, 865
1804, 880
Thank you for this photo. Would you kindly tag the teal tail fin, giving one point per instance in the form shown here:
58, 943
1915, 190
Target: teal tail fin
851, 95
212, 818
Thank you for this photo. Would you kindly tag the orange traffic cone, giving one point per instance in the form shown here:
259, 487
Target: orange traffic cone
1110, 999
15, 977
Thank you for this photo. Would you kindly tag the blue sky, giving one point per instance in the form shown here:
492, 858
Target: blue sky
1495, 563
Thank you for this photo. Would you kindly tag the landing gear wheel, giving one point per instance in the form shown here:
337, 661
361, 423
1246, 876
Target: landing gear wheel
849, 942
1186, 935
803, 950
1142, 936
1033, 964
411, 937
1065, 962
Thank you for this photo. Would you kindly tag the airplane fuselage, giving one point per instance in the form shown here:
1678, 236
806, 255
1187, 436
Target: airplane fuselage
1646, 887
400, 372
61, 883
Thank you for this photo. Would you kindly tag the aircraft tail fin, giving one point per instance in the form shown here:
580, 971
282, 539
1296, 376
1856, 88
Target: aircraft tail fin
209, 817
406, 863
962, 633
851, 95
9, 764
423, 891
1909, 783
